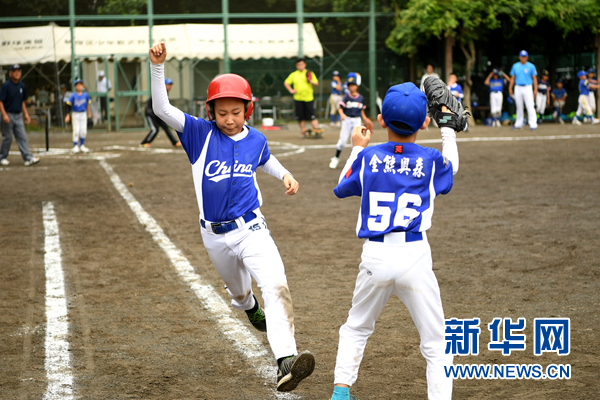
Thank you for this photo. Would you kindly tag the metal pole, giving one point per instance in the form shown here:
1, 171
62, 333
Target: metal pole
72, 26
300, 22
59, 111
372, 61
225, 12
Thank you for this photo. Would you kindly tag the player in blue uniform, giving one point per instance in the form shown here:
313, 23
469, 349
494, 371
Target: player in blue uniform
455, 88
80, 108
334, 98
584, 109
225, 153
352, 111
542, 99
496, 81
398, 182
559, 94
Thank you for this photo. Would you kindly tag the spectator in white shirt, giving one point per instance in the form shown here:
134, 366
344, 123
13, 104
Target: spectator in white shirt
103, 85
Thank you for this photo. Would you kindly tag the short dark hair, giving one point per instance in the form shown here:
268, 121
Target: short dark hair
300, 59
400, 125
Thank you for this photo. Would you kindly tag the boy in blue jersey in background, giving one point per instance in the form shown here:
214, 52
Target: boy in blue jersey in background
496, 81
584, 109
559, 94
334, 98
80, 108
352, 112
225, 153
455, 88
398, 182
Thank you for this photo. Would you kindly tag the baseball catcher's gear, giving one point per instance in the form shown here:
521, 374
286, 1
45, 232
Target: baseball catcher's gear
438, 95
229, 85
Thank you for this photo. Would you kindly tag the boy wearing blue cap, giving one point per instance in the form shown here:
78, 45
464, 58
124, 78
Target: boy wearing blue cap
523, 78
559, 94
335, 98
352, 113
584, 107
496, 84
80, 108
398, 182
156, 123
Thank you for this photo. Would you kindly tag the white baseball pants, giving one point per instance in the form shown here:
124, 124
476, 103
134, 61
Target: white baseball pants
346, 131
524, 97
404, 270
79, 120
584, 106
496, 103
250, 252
540, 103
592, 100
334, 103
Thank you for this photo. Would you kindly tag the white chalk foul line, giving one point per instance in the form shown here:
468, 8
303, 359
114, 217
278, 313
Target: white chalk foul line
244, 341
58, 358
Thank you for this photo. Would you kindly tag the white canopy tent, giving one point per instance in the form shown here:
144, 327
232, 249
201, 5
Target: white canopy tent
194, 41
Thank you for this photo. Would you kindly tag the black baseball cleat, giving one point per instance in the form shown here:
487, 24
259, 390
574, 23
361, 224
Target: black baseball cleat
257, 316
294, 369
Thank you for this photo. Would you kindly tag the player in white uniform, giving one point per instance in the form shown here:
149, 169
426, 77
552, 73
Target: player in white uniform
225, 154
398, 182
352, 112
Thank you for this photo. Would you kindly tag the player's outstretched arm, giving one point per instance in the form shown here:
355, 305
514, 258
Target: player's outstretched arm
449, 147
173, 116
290, 184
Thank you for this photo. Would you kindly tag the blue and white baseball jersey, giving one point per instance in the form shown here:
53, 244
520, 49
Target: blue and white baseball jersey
584, 87
559, 94
496, 85
334, 89
224, 170
79, 102
543, 87
353, 106
523, 73
398, 184
457, 91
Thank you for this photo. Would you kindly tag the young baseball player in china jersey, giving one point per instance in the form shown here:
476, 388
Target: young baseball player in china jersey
496, 84
398, 182
225, 153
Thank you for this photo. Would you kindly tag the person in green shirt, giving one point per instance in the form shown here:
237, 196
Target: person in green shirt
300, 83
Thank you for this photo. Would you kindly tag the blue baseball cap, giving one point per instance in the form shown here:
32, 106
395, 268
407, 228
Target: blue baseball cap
353, 78
591, 71
77, 81
336, 73
14, 67
495, 71
559, 81
523, 53
168, 81
581, 73
406, 104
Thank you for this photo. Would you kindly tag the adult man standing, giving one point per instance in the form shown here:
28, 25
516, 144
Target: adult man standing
103, 85
524, 75
429, 72
14, 117
300, 83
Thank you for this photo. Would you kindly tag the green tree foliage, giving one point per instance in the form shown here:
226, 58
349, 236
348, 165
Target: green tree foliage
567, 15
467, 21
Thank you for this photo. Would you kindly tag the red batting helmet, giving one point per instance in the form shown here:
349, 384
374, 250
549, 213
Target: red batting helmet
229, 85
